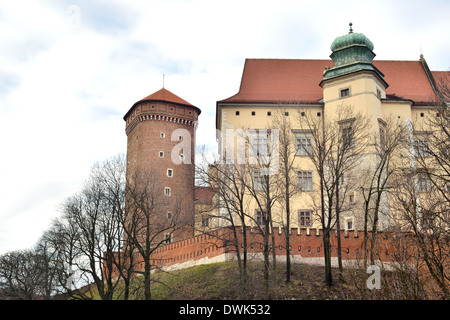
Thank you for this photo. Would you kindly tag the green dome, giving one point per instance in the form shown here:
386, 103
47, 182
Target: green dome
351, 39
351, 52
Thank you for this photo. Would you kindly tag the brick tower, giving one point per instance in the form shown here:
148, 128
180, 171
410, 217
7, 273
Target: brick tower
161, 142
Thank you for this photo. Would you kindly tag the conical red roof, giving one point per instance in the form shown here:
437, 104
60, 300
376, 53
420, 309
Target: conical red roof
163, 95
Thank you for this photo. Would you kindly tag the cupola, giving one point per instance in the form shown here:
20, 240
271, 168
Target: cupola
350, 53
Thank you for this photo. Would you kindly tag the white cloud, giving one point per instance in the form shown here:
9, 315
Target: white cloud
64, 89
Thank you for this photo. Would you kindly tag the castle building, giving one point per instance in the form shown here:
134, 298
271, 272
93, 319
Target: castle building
161, 138
160, 130
380, 90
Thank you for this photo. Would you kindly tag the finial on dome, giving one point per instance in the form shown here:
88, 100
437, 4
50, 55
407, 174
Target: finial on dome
351, 30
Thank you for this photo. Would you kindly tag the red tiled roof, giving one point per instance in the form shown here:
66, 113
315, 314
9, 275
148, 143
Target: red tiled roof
281, 80
204, 194
441, 78
290, 80
407, 80
163, 95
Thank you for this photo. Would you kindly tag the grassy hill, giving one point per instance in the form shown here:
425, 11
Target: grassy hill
221, 281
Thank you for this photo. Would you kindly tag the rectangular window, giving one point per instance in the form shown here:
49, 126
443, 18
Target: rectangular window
167, 237
259, 218
260, 143
421, 147
170, 173
161, 154
345, 92
423, 183
347, 138
237, 113
304, 218
257, 181
349, 224
205, 221
167, 191
304, 144
305, 180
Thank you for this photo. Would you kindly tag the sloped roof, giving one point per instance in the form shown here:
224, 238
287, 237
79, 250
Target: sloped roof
281, 80
297, 80
163, 95
204, 194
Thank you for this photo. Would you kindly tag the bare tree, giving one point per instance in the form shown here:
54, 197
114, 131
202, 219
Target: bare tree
389, 146
147, 225
230, 207
286, 177
338, 144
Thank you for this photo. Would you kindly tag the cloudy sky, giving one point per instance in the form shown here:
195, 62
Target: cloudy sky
70, 70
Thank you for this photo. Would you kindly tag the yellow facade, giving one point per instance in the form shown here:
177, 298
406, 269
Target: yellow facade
363, 89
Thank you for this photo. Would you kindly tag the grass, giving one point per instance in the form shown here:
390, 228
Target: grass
221, 281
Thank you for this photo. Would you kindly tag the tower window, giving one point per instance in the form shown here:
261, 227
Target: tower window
161, 154
167, 191
345, 92
169, 215
253, 113
269, 113
237, 113
162, 135
286, 113
170, 173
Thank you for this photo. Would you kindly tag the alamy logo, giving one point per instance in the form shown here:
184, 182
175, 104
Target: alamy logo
374, 280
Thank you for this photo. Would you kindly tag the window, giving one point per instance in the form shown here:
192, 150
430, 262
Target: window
345, 92
257, 181
304, 218
426, 219
378, 93
421, 147
305, 180
259, 218
167, 237
303, 144
382, 135
162, 135
286, 113
351, 198
167, 191
205, 221
180, 138
253, 113
346, 129
269, 113
170, 173
349, 224
181, 157
169, 215
423, 183
237, 113
161, 154
261, 145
